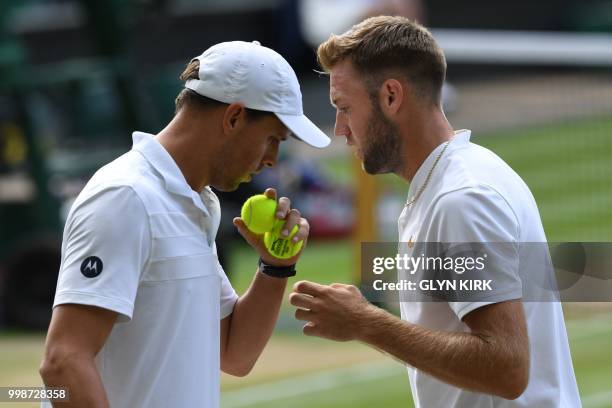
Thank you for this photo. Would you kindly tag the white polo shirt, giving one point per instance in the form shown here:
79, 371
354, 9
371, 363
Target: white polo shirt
139, 241
473, 196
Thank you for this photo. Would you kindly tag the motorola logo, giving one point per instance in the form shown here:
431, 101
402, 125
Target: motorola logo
91, 267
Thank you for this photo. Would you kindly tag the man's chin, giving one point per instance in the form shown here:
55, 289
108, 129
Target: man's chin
232, 185
375, 169
227, 187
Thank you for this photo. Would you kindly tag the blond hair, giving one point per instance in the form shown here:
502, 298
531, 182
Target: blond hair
382, 45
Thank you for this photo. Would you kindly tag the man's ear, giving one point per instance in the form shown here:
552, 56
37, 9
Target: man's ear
391, 96
234, 118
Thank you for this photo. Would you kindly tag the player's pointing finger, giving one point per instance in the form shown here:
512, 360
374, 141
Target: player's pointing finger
309, 288
302, 301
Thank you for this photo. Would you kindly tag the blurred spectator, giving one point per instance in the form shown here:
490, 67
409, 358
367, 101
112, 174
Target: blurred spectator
320, 18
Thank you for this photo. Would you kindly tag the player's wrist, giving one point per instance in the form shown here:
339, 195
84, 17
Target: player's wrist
367, 330
276, 271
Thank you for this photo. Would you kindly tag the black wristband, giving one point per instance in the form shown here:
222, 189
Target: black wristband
276, 271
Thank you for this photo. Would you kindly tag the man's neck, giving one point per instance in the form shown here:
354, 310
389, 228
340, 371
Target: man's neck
421, 139
188, 152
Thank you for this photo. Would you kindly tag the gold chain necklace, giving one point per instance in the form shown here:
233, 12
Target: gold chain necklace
420, 191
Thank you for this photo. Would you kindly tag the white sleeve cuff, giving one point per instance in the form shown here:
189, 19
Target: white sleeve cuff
463, 308
227, 307
121, 306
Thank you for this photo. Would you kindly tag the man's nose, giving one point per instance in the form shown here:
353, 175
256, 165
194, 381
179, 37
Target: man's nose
270, 158
341, 128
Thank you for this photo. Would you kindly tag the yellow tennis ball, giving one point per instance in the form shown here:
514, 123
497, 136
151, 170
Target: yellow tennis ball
282, 248
258, 213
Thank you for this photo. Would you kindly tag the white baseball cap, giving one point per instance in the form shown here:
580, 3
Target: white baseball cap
261, 79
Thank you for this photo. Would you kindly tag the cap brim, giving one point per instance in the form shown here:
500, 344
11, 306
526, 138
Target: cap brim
304, 129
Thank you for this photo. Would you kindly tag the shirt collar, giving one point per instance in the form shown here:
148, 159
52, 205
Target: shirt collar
164, 164
460, 139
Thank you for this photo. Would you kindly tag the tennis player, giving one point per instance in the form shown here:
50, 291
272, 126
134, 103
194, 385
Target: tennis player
144, 315
386, 75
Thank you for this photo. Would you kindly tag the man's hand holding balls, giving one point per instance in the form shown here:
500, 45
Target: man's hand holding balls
276, 231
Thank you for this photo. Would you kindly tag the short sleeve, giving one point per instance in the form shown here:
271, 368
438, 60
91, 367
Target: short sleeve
228, 294
481, 218
106, 245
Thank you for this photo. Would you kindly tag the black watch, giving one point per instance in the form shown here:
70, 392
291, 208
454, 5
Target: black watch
276, 271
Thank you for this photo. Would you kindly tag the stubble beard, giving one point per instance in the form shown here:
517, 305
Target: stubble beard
382, 154
222, 179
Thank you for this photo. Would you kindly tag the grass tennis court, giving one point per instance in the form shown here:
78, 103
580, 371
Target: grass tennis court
317, 373
568, 168
384, 383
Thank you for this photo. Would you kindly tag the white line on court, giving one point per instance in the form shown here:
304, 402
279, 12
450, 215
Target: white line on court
364, 372
308, 383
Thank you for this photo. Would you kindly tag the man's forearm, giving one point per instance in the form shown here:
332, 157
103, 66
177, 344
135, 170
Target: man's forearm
80, 378
462, 359
254, 318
